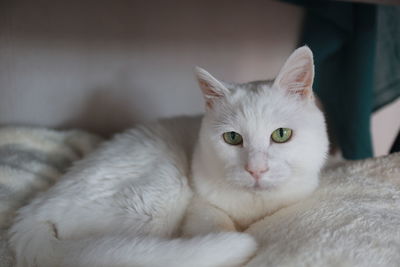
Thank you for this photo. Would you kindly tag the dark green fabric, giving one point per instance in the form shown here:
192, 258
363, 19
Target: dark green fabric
347, 38
387, 74
342, 37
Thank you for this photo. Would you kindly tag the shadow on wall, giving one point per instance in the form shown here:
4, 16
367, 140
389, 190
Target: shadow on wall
105, 112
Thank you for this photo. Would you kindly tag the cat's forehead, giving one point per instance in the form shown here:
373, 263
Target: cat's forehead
253, 86
261, 98
258, 102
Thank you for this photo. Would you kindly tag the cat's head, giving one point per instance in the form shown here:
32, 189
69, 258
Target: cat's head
264, 134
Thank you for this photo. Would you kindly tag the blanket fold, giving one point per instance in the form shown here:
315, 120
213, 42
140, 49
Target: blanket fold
31, 160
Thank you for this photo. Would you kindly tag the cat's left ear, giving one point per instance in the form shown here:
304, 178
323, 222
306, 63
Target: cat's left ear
212, 88
297, 74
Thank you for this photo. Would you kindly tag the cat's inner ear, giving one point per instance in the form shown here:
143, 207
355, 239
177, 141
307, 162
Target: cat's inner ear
212, 88
297, 74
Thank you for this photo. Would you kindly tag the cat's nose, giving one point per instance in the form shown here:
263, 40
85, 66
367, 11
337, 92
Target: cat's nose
256, 172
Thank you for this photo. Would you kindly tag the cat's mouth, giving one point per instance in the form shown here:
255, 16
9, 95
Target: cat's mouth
265, 184
258, 187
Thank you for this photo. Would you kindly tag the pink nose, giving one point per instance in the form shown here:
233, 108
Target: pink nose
256, 172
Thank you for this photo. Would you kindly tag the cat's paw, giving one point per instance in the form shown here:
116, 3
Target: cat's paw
237, 248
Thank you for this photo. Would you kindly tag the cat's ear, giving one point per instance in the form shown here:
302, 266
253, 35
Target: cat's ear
297, 74
212, 88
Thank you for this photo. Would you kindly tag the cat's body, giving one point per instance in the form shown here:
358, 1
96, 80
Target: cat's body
128, 203
119, 207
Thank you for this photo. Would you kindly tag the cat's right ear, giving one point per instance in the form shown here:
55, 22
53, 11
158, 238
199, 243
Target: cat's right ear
212, 88
297, 74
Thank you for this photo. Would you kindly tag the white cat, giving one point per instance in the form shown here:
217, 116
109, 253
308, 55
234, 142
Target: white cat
137, 202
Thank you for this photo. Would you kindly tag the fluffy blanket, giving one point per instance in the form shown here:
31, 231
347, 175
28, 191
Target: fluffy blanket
32, 159
352, 219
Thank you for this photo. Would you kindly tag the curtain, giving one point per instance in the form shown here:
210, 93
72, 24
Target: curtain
357, 58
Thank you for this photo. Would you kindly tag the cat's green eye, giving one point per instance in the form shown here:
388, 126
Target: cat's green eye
281, 135
233, 138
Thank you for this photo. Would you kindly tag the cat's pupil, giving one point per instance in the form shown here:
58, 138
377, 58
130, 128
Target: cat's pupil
233, 135
281, 132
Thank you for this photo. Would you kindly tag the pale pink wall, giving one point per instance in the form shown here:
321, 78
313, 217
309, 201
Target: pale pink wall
104, 65
385, 126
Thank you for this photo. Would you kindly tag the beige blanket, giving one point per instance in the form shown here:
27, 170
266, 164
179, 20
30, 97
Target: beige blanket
31, 160
353, 219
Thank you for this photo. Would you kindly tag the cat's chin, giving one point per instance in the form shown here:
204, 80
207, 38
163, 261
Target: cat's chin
259, 187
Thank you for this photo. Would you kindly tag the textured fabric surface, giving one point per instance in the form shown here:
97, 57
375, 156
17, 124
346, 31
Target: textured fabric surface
353, 219
31, 160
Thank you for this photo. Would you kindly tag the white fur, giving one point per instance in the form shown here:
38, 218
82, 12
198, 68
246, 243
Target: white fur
124, 204
121, 206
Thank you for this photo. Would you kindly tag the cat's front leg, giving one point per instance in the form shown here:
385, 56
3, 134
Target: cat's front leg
203, 218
